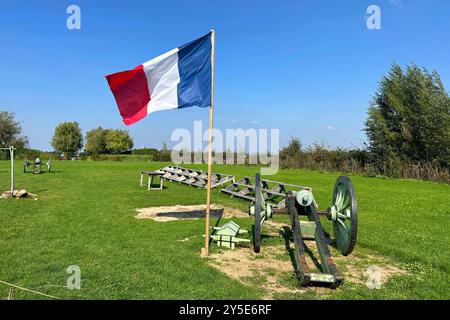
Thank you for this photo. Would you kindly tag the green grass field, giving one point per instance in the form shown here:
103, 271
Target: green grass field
85, 212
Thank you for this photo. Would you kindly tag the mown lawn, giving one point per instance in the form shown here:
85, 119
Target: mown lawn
85, 216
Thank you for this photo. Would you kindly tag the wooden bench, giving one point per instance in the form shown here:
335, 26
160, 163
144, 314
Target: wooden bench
151, 175
195, 178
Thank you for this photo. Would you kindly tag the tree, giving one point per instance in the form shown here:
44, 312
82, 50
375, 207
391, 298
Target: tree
409, 117
118, 141
67, 138
10, 131
96, 141
294, 147
290, 156
165, 154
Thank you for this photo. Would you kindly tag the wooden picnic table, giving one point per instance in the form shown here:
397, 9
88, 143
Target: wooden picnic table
151, 175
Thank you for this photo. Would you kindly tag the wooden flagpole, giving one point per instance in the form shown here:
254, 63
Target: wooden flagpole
11, 154
205, 250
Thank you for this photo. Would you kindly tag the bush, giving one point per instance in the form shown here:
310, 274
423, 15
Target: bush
98, 157
31, 154
145, 151
359, 161
115, 158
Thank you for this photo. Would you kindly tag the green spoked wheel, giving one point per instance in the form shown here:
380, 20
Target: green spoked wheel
344, 215
257, 225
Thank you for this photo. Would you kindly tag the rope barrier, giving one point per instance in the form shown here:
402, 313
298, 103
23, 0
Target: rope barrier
29, 290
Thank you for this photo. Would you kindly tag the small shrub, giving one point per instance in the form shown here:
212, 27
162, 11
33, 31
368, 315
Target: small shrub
98, 157
116, 158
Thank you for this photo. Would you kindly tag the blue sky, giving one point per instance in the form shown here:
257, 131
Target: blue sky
308, 68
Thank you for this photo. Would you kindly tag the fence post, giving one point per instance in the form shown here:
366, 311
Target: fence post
11, 293
11, 152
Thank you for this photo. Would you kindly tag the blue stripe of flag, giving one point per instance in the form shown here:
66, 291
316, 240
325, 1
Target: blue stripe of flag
194, 66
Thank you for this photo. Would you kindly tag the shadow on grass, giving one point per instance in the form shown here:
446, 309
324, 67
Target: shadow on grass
31, 173
288, 236
219, 218
193, 214
155, 187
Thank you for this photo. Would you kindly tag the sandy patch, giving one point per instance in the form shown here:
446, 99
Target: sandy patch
172, 213
272, 269
18, 194
262, 270
361, 267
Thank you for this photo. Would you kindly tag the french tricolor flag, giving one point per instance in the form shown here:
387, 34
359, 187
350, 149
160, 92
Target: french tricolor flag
179, 78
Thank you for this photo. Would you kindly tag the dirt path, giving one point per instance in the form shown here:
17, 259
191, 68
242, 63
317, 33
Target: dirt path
272, 269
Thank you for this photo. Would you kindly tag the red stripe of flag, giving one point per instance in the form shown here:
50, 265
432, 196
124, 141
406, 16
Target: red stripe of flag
130, 89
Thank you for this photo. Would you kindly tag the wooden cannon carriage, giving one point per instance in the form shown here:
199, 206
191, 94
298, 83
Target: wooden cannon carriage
274, 192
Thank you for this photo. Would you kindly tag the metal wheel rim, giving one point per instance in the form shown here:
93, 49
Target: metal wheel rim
257, 225
345, 225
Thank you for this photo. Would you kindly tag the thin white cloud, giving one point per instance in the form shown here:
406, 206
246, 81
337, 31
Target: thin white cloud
331, 128
255, 122
397, 3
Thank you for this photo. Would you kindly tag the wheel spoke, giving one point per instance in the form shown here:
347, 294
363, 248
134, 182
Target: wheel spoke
345, 202
341, 216
348, 213
342, 234
344, 226
340, 197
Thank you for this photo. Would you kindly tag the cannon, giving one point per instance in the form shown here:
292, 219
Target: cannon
342, 213
272, 191
37, 165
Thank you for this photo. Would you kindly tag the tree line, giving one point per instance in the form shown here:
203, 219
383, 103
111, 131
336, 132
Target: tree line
68, 139
407, 128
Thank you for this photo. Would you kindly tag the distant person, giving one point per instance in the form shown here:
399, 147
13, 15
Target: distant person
37, 164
